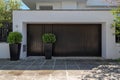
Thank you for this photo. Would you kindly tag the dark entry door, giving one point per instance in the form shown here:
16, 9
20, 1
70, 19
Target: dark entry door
34, 41
77, 40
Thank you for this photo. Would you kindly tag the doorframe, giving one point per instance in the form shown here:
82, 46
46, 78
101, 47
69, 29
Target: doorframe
101, 33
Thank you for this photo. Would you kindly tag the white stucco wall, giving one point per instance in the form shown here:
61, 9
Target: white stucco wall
109, 48
4, 51
69, 4
81, 4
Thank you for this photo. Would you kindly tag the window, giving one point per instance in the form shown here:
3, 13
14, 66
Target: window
46, 7
100, 3
4, 31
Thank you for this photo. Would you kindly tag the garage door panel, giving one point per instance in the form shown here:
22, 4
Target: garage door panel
77, 40
34, 41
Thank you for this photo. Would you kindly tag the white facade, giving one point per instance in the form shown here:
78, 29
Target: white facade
4, 50
110, 50
86, 15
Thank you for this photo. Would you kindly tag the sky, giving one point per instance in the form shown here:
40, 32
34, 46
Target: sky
24, 6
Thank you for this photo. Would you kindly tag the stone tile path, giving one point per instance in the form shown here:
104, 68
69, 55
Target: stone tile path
37, 68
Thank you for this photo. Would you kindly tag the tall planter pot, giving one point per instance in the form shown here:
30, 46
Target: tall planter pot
48, 50
15, 51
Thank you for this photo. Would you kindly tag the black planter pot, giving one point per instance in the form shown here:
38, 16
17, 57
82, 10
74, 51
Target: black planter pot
48, 50
15, 51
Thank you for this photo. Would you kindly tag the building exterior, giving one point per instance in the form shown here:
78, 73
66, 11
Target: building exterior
82, 27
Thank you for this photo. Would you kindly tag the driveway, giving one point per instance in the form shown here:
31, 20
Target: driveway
37, 68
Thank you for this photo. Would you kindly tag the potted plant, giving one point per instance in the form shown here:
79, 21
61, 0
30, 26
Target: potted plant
14, 39
48, 40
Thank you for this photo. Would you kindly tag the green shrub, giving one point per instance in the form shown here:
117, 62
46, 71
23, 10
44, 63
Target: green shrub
49, 38
14, 38
118, 60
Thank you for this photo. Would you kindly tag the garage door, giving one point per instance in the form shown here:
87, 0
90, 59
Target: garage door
77, 40
72, 39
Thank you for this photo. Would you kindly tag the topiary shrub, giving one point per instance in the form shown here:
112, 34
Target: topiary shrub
14, 38
49, 38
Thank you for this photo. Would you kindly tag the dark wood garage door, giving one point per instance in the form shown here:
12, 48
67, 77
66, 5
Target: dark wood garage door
77, 40
72, 39
34, 40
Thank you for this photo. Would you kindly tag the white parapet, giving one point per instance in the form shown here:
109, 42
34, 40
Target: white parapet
4, 51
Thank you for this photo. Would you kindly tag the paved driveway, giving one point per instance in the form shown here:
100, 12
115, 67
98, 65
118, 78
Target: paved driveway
36, 68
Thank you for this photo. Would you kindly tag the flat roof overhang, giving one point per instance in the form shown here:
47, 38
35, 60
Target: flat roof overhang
32, 3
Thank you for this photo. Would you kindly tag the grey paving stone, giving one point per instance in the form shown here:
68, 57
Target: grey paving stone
4, 62
87, 67
34, 67
72, 67
21, 67
37, 63
1, 66
60, 63
27, 63
47, 67
8, 67
15, 63
59, 67
49, 63
72, 63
